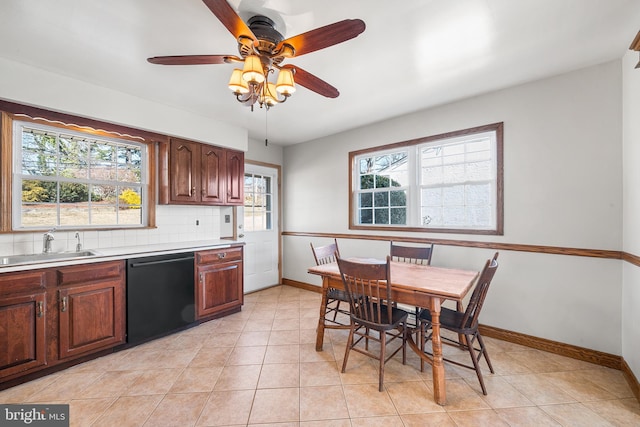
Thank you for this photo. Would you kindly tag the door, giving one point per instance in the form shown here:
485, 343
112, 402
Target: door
22, 333
259, 226
213, 175
234, 173
91, 317
184, 162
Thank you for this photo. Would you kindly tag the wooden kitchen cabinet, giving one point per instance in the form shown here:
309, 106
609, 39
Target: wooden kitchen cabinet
234, 173
91, 307
51, 316
202, 174
219, 282
23, 317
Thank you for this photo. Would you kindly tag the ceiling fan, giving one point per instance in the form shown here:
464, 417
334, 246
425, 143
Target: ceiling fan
262, 49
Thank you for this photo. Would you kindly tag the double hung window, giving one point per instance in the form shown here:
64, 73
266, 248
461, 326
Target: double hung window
70, 179
443, 183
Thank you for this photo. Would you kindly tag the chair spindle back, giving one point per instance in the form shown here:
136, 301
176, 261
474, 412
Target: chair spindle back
411, 254
369, 289
471, 314
326, 254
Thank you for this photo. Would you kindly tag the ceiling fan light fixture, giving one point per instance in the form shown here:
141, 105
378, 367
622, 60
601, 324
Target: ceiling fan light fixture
269, 95
285, 84
253, 71
237, 84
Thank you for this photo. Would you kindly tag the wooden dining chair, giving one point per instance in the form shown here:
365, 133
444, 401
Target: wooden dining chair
464, 323
368, 287
337, 301
413, 255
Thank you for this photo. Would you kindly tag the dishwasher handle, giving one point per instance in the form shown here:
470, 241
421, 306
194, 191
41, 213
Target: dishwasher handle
164, 261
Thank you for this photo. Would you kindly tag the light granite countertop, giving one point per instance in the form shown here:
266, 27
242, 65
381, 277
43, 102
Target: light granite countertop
125, 252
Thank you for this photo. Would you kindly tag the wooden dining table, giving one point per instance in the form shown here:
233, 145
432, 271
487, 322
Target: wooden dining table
412, 284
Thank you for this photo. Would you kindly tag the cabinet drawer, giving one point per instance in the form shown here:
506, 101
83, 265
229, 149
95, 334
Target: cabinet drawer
11, 283
217, 256
89, 272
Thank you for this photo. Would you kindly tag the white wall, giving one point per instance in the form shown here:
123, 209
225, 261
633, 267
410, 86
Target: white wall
631, 212
260, 152
562, 168
36, 87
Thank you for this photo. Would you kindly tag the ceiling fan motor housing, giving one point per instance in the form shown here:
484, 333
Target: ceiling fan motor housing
267, 36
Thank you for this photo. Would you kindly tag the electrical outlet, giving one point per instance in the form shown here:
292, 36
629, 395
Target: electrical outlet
227, 219
197, 222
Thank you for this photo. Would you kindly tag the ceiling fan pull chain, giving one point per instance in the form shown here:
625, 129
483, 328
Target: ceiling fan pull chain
266, 128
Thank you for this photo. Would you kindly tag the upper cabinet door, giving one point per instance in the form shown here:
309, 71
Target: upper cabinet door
235, 178
184, 171
213, 175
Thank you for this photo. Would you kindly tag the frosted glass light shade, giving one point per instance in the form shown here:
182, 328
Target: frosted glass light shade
285, 84
269, 96
237, 83
252, 71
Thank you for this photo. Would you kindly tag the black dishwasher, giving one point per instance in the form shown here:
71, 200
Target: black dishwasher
160, 295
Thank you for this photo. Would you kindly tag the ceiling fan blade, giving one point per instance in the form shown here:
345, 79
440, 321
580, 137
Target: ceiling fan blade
311, 82
229, 18
193, 59
326, 36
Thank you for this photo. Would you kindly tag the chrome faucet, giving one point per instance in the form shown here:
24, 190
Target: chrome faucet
46, 241
78, 245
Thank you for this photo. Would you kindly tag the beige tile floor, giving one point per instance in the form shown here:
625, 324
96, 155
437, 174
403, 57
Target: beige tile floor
260, 367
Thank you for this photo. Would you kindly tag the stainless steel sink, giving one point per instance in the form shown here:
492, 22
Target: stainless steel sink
39, 258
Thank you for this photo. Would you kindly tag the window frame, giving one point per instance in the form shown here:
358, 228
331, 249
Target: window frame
93, 129
414, 186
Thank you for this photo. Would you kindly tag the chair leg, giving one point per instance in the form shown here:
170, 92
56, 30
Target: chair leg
335, 312
484, 352
422, 344
472, 353
383, 347
366, 339
404, 344
349, 345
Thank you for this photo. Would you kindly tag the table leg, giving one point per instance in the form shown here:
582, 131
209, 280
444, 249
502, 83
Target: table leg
437, 367
323, 310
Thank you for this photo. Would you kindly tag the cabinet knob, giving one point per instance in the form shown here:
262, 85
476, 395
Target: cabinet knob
40, 309
222, 255
63, 304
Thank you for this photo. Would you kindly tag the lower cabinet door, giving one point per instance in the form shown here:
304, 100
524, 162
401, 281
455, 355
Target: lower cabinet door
219, 288
91, 317
22, 333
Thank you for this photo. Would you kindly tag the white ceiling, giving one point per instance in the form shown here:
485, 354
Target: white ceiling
413, 54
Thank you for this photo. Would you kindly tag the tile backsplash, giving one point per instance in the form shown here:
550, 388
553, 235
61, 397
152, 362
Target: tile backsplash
174, 224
